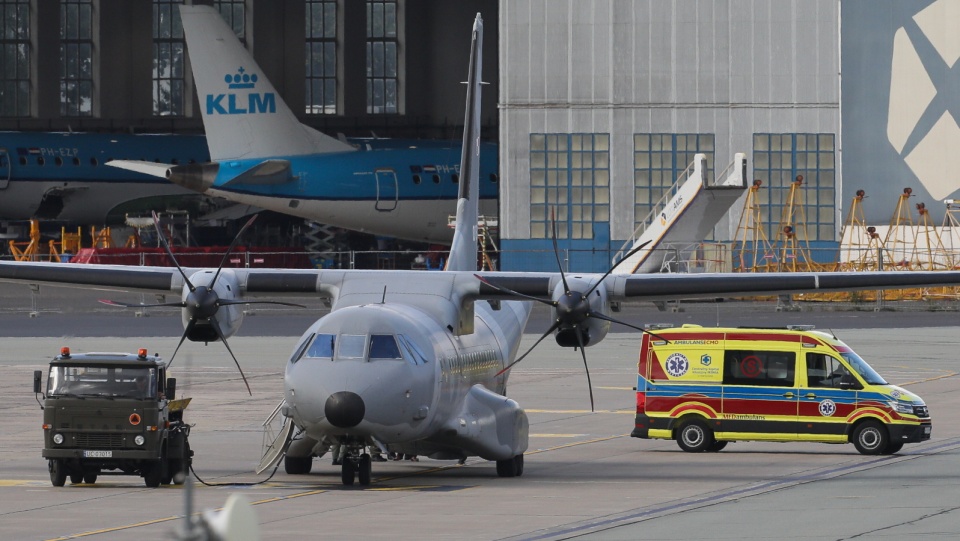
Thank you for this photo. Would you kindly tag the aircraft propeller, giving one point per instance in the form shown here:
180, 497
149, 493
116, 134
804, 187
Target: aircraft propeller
571, 310
202, 303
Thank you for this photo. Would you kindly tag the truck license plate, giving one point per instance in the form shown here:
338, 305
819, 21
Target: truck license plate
98, 454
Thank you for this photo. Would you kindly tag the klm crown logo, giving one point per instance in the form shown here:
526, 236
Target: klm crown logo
239, 103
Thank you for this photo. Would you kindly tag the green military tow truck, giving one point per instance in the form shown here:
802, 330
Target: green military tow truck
113, 414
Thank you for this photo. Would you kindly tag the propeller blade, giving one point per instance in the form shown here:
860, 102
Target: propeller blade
630, 253
139, 304
583, 353
556, 250
163, 241
552, 328
230, 248
216, 327
514, 293
186, 331
230, 302
598, 315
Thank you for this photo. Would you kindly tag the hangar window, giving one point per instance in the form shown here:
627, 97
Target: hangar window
659, 160
76, 57
321, 51
383, 57
15, 53
232, 11
810, 206
569, 172
168, 54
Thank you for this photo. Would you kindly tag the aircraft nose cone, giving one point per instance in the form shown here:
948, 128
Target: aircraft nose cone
344, 409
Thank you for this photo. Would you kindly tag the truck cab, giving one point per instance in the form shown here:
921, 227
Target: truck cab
112, 413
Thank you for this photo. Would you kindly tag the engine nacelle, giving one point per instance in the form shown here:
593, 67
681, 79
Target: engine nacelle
573, 312
202, 304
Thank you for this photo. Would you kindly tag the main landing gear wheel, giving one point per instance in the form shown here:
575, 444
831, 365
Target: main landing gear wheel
870, 438
347, 470
297, 465
58, 473
511, 467
363, 470
693, 436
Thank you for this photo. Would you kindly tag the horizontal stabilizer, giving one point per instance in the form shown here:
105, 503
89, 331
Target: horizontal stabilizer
153, 169
265, 172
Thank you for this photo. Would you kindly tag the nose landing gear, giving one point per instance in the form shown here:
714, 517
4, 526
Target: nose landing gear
355, 466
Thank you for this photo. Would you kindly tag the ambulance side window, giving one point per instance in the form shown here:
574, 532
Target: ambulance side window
761, 368
825, 371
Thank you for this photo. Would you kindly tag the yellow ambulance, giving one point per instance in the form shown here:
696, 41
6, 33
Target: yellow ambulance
705, 387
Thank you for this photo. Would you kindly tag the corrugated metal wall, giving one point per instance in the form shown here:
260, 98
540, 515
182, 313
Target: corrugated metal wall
728, 67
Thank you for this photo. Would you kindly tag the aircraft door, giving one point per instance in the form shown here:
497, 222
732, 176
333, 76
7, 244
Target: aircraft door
4, 168
386, 190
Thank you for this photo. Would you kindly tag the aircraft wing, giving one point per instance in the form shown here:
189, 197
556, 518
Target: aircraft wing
653, 287
153, 169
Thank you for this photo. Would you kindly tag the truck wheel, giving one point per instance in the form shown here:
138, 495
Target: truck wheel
90, 477
693, 436
870, 438
154, 473
76, 478
58, 473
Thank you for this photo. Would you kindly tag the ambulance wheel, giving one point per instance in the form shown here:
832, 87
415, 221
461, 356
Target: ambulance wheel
363, 470
347, 470
717, 446
870, 438
893, 448
693, 436
297, 465
58, 472
76, 478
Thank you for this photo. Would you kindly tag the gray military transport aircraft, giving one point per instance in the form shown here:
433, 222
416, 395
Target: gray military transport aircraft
417, 362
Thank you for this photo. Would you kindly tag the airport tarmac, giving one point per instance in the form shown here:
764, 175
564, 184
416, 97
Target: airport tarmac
584, 477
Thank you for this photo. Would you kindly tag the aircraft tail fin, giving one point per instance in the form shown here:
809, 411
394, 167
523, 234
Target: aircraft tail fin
463, 251
243, 114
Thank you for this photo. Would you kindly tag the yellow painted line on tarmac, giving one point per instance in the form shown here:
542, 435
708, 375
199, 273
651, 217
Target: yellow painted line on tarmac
557, 435
950, 375
616, 388
23, 483
576, 443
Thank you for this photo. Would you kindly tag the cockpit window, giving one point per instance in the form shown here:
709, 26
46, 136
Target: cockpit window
352, 346
413, 352
384, 346
301, 349
322, 346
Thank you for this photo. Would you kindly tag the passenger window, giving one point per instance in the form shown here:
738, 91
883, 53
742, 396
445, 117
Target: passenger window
762, 368
384, 346
322, 346
352, 346
825, 371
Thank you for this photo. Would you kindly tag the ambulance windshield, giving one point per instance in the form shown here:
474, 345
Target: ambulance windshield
862, 368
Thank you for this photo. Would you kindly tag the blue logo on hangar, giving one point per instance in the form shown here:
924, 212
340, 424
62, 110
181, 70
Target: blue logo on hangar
237, 104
